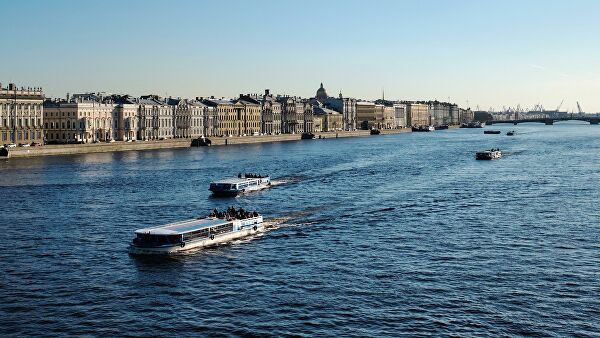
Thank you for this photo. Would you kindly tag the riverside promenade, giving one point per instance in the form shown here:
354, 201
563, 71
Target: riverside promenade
71, 149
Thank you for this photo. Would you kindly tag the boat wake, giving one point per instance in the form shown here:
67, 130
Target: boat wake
287, 180
297, 219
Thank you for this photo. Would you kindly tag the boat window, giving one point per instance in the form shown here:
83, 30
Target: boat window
221, 229
202, 233
148, 240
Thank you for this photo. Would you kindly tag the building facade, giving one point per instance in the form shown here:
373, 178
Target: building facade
329, 119
270, 113
227, 121
156, 118
440, 113
79, 121
343, 105
417, 114
21, 115
292, 114
399, 115
249, 113
365, 114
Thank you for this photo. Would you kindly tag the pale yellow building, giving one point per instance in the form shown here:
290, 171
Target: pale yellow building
249, 117
317, 123
78, 122
21, 115
417, 114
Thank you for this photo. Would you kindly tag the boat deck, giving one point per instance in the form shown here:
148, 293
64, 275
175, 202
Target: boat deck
182, 227
237, 180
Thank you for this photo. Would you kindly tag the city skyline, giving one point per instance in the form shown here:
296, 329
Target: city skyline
471, 53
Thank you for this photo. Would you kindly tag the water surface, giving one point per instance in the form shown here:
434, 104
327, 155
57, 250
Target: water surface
378, 236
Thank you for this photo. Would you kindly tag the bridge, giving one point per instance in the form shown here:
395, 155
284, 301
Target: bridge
549, 120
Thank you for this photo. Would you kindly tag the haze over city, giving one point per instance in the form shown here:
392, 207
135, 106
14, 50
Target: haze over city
473, 53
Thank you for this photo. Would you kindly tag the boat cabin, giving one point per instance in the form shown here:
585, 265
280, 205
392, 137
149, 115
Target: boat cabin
181, 232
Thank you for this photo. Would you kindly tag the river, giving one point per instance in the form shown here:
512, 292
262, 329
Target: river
372, 236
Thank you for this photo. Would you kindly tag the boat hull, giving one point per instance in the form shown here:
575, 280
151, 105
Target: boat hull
197, 244
488, 156
233, 193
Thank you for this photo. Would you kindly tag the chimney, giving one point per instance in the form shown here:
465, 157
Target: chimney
267, 92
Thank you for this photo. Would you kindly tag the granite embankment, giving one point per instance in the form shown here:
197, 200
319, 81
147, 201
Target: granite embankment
70, 149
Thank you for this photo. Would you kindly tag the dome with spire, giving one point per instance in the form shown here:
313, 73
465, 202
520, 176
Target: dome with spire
321, 93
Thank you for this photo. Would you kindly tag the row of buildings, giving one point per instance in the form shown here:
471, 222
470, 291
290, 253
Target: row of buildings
26, 116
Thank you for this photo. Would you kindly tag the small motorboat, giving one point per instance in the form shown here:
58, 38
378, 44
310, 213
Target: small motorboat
492, 154
422, 128
201, 142
511, 133
307, 136
375, 132
491, 131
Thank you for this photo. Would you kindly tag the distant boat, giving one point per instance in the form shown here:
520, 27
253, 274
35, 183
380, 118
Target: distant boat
240, 185
511, 133
442, 127
473, 125
201, 142
375, 132
492, 154
307, 136
491, 131
423, 128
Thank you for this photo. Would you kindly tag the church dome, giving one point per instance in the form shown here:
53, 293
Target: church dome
321, 93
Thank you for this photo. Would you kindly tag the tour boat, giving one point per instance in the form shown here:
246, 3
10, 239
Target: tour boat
195, 233
491, 154
240, 185
491, 131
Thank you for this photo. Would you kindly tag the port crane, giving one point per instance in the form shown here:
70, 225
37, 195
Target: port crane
579, 109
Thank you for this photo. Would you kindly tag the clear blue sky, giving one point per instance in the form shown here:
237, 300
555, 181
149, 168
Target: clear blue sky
491, 53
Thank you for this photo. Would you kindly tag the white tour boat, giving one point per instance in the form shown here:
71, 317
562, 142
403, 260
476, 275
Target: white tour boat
491, 154
195, 233
240, 185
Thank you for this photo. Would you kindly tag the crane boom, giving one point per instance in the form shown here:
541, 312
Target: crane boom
560, 105
579, 108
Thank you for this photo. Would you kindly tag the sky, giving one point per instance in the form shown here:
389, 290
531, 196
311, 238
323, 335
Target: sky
475, 53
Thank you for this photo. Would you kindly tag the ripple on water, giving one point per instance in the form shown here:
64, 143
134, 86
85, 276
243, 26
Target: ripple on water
404, 235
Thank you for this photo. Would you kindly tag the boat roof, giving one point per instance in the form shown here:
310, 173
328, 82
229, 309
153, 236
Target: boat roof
181, 227
236, 180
